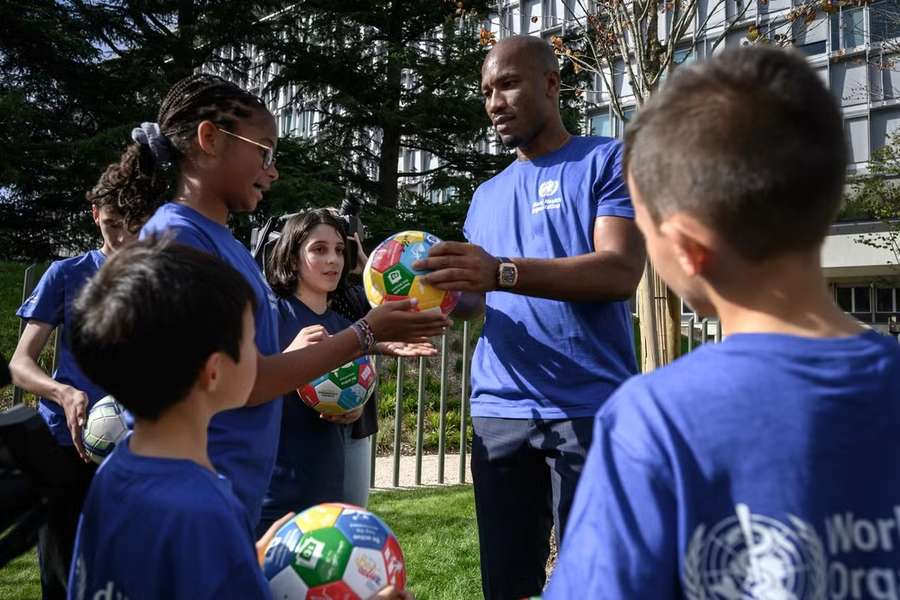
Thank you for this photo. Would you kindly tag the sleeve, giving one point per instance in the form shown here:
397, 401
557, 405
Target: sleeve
469, 223
243, 581
184, 234
610, 190
621, 537
47, 302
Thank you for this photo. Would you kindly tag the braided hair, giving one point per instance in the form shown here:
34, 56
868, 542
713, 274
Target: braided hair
136, 185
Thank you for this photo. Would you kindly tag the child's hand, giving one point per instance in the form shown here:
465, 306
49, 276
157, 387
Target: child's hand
391, 593
266, 539
396, 321
344, 419
307, 337
407, 349
74, 403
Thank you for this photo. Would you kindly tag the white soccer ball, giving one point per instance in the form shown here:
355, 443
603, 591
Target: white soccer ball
104, 428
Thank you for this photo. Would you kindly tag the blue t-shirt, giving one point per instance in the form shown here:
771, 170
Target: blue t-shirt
163, 528
51, 303
763, 467
310, 463
540, 358
242, 442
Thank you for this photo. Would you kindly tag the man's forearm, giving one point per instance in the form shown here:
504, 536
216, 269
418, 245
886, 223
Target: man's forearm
595, 277
29, 376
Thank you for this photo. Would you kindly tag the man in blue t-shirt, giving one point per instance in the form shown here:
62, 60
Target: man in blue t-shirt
66, 397
553, 258
765, 466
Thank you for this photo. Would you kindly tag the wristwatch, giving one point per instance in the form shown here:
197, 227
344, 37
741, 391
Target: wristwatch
507, 273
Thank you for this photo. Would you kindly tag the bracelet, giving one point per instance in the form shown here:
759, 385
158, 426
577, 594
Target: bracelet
365, 336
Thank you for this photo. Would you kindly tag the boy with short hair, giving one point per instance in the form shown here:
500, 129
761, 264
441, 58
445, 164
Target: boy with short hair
67, 396
765, 466
169, 332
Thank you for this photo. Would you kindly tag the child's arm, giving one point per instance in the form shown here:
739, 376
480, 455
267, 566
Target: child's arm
280, 373
28, 375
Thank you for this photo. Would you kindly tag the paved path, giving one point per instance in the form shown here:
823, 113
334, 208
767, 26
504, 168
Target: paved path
384, 471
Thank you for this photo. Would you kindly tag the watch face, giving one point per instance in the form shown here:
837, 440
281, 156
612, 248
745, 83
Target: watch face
507, 275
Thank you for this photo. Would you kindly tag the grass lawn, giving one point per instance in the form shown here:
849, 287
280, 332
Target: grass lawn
435, 526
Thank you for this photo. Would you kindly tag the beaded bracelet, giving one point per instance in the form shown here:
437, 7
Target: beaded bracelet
365, 336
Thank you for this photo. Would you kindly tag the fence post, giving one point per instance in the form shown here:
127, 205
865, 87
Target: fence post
398, 421
420, 420
373, 450
463, 398
442, 417
690, 336
718, 331
704, 327
28, 283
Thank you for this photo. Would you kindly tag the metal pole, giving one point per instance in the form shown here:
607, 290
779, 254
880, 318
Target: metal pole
373, 449
704, 326
690, 332
718, 331
420, 420
442, 423
463, 398
398, 421
28, 283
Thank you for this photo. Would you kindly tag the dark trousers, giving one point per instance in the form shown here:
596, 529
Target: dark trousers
525, 473
56, 539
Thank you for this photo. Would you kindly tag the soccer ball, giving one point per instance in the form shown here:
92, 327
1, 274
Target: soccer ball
389, 274
333, 551
104, 428
342, 390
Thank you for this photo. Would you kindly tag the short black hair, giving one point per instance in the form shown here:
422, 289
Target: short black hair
145, 324
751, 143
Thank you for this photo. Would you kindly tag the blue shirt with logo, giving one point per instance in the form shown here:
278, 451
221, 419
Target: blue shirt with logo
163, 528
762, 467
309, 467
243, 441
540, 358
51, 303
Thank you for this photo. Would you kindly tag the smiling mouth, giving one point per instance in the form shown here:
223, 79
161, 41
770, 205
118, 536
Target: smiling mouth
502, 120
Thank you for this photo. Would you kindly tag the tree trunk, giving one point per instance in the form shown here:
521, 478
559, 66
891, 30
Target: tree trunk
659, 314
389, 156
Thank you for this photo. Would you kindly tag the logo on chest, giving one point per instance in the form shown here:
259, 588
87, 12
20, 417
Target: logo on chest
550, 198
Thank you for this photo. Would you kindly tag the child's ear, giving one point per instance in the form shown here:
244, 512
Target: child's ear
688, 244
95, 213
211, 374
208, 137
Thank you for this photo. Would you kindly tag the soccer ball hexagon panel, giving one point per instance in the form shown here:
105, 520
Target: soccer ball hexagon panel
104, 428
333, 551
389, 273
344, 389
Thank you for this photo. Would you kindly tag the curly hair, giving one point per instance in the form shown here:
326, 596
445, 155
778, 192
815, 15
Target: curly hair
136, 185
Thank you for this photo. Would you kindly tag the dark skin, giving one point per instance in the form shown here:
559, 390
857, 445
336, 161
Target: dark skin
521, 92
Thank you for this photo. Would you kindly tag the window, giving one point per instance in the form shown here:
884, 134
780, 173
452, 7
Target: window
886, 299
854, 299
884, 19
848, 28
857, 133
549, 12
601, 125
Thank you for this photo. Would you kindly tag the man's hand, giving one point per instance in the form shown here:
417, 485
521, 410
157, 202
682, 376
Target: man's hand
307, 337
74, 403
344, 419
460, 267
266, 539
392, 593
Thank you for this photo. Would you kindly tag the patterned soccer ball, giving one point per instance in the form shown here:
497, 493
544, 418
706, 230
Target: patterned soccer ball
342, 390
104, 428
333, 551
389, 274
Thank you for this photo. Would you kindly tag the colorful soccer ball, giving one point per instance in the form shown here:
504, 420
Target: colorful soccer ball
333, 551
105, 426
341, 390
389, 274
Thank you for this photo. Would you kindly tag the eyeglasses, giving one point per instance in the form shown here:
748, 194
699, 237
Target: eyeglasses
268, 154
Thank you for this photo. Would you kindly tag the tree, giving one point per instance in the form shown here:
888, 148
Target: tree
876, 195
75, 77
386, 79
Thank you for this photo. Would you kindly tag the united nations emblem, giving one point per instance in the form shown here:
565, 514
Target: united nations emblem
754, 557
